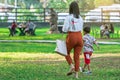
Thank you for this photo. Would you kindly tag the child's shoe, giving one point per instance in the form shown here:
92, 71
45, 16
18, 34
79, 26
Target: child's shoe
88, 72
81, 69
76, 75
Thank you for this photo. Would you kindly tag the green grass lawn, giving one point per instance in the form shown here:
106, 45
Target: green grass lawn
49, 48
38, 61
41, 34
25, 66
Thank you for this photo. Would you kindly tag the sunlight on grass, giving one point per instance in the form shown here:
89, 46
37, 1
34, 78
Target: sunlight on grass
30, 71
42, 56
30, 56
40, 66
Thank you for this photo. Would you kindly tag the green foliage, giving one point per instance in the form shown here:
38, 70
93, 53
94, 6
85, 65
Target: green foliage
83, 4
11, 2
26, 14
86, 4
28, 3
103, 2
117, 1
1, 1
57, 5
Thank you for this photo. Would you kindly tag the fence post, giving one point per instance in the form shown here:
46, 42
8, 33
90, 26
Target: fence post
101, 14
44, 14
16, 10
16, 14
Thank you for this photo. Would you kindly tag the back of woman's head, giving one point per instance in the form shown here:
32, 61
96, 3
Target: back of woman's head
74, 9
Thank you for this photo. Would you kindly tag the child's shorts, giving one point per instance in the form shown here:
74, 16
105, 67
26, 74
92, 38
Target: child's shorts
87, 56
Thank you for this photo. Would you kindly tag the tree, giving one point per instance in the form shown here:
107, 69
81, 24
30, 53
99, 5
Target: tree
1, 1
103, 2
90, 4
86, 4
117, 1
82, 4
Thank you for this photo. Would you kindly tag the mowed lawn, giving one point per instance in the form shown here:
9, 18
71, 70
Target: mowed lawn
38, 61
41, 34
25, 66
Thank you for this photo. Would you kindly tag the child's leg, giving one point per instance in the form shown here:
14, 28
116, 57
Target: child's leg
88, 67
87, 60
85, 65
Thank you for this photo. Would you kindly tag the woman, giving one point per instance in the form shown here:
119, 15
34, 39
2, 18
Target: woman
73, 25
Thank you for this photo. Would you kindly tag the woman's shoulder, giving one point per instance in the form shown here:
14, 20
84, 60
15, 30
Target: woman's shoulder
80, 17
70, 16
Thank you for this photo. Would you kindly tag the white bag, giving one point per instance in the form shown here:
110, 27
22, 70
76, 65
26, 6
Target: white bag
61, 47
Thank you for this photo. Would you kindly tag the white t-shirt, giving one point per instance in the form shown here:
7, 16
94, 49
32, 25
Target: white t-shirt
102, 27
72, 24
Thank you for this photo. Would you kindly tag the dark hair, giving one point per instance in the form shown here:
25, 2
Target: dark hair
86, 29
74, 9
106, 27
51, 9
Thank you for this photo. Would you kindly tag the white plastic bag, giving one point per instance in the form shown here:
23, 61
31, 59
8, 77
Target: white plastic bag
61, 47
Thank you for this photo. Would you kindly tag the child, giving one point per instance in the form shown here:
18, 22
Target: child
88, 49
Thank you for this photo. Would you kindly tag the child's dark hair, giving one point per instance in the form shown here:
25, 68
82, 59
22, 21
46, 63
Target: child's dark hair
86, 29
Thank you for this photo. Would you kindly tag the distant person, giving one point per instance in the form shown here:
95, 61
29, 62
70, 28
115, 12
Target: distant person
88, 49
73, 25
102, 27
12, 29
106, 32
30, 27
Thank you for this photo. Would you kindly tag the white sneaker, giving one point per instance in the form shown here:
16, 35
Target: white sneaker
76, 75
88, 72
80, 69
